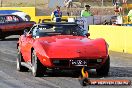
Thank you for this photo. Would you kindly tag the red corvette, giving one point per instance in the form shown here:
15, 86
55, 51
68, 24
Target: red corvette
62, 46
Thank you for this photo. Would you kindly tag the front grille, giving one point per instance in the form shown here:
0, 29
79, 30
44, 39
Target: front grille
92, 61
61, 63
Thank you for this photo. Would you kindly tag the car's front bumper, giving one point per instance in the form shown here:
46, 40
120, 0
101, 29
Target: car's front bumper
67, 64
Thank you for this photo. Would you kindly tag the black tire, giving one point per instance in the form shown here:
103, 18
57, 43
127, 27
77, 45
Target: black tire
104, 70
2, 37
19, 60
37, 68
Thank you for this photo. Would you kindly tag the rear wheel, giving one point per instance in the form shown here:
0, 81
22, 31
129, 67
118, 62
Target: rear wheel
2, 37
104, 70
37, 68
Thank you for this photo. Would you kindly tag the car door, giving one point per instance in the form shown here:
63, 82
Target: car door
20, 24
17, 20
27, 43
28, 46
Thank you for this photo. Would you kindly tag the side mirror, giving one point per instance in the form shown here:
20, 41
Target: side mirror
29, 36
87, 34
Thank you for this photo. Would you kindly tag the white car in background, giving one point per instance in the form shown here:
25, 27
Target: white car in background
21, 14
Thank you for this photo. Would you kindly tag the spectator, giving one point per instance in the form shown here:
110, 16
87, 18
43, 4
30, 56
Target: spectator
118, 7
124, 1
86, 12
68, 4
130, 16
56, 15
113, 2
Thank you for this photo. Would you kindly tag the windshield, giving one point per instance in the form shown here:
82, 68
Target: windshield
42, 31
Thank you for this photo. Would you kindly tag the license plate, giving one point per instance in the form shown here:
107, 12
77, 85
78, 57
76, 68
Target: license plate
78, 62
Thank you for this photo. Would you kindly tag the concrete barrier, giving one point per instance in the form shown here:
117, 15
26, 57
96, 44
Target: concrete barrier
119, 38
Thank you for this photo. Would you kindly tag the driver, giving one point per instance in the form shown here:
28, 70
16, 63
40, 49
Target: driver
35, 32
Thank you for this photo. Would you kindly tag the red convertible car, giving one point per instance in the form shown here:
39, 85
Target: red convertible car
61, 46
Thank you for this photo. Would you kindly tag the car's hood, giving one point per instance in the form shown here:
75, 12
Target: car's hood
64, 40
69, 47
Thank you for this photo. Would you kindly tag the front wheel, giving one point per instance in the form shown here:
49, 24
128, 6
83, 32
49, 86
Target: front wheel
104, 70
37, 68
19, 60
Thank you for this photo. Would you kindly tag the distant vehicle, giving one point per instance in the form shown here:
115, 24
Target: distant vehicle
21, 14
13, 24
62, 46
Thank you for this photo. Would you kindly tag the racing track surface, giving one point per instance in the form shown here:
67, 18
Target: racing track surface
121, 68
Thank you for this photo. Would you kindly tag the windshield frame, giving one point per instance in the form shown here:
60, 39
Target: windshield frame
78, 31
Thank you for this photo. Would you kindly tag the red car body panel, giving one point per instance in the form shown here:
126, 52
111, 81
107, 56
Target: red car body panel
63, 47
